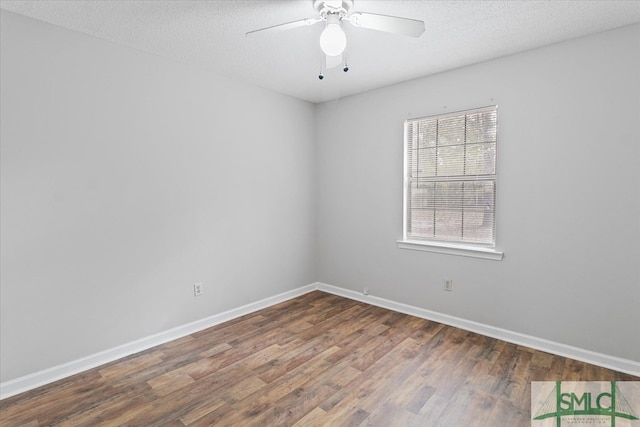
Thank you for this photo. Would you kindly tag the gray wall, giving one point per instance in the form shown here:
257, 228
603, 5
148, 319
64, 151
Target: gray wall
568, 214
125, 179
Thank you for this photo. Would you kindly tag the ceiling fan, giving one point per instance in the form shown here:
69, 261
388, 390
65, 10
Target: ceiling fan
333, 40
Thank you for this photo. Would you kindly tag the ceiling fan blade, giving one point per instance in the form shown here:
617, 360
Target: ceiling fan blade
389, 24
284, 27
332, 61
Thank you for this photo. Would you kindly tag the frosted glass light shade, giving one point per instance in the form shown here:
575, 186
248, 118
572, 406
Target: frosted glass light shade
333, 40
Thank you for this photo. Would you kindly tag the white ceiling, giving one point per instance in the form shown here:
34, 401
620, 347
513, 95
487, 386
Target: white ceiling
211, 34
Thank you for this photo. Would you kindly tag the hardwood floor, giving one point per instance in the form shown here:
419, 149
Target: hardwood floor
316, 360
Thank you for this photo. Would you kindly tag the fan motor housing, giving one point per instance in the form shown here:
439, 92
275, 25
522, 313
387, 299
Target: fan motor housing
323, 8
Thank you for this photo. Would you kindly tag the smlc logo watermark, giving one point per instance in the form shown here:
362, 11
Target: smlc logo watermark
585, 403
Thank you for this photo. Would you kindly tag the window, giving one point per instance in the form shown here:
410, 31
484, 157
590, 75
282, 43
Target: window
450, 179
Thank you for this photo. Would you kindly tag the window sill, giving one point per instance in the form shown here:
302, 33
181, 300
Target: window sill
451, 249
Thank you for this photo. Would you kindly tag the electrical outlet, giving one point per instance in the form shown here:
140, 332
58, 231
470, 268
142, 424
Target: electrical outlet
197, 289
448, 285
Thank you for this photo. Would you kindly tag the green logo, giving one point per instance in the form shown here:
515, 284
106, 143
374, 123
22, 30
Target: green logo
584, 402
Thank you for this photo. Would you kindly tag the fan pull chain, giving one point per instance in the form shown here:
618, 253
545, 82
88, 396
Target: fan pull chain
345, 67
321, 75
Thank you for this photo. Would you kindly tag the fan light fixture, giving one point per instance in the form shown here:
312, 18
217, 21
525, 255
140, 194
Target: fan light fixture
333, 40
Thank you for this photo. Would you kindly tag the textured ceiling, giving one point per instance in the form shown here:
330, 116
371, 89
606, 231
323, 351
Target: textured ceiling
211, 34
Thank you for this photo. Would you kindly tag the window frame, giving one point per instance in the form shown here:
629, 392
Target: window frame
475, 250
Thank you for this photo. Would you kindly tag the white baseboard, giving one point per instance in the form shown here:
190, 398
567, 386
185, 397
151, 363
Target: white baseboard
588, 356
40, 378
46, 376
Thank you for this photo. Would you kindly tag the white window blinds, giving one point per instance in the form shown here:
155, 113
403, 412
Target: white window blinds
450, 177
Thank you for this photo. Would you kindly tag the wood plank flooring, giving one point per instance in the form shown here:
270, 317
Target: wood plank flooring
316, 360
